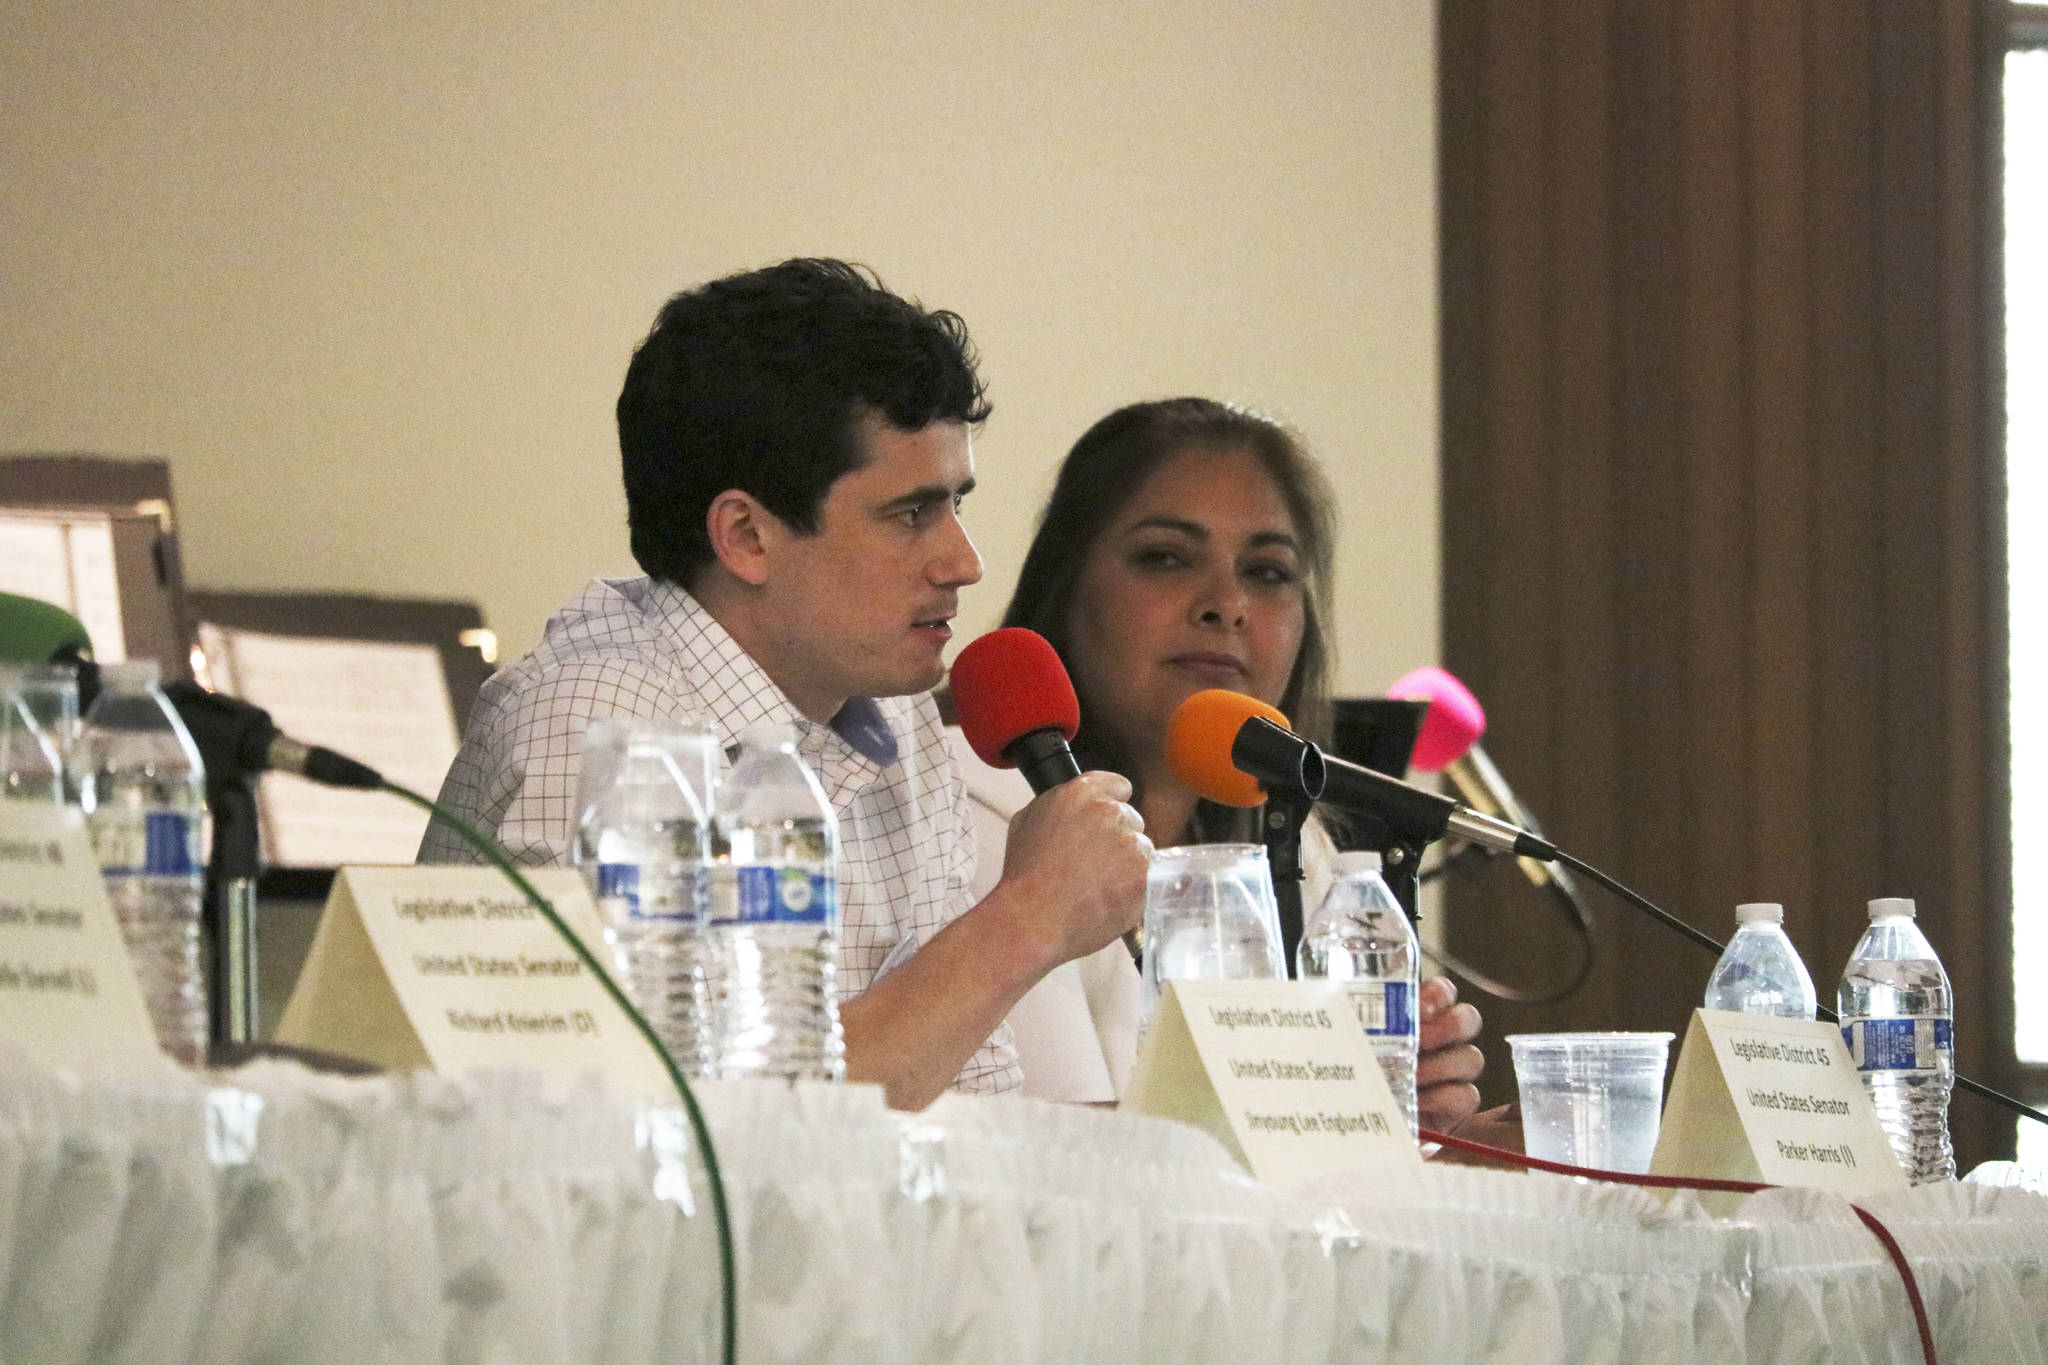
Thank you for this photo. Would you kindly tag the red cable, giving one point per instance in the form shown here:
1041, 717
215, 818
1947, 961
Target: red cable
1891, 1244
1680, 1182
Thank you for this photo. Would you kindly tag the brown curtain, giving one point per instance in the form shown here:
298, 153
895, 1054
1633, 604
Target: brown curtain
1722, 500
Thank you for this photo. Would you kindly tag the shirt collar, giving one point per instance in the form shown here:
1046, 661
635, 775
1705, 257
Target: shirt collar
738, 693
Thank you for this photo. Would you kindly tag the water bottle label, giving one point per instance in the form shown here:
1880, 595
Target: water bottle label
780, 895
1912, 1044
620, 883
163, 843
1384, 1007
635, 891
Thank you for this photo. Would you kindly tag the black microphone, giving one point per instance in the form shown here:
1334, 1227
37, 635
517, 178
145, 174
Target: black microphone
1284, 760
236, 738
243, 737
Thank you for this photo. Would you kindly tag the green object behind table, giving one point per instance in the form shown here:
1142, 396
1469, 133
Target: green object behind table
34, 631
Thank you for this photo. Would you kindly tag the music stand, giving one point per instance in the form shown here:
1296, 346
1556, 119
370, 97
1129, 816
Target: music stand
87, 510
452, 630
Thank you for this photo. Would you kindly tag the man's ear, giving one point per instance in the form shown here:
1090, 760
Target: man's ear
743, 535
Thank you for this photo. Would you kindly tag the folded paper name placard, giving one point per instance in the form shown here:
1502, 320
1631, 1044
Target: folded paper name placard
68, 990
1773, 1100
449, 968
1279, 1071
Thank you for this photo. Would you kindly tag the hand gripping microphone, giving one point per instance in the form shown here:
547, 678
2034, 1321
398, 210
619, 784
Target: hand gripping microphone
1280, 760
1017, 706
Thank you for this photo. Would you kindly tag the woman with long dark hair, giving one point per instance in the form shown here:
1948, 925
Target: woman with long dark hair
1187, 545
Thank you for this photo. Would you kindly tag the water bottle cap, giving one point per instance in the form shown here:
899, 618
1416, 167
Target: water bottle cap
1887, 907
1361, 860
133, 675
1760, 912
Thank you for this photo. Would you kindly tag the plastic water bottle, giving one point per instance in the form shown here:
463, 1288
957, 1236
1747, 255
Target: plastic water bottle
644, 847
775, 916
1898, 1019
144, 794
1360, 936
1760, 973
30, 766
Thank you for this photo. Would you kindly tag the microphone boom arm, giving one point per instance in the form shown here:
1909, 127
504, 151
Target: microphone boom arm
1283, 760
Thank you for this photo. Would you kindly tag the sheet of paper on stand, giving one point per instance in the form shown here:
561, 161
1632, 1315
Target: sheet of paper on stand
66, 559
382, 703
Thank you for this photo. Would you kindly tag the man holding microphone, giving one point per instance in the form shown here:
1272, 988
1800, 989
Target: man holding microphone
796, 444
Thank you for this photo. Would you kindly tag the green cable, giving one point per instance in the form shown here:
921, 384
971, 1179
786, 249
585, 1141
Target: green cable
729, 1277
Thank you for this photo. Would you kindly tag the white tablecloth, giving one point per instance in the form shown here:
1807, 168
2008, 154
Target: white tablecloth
278, 1216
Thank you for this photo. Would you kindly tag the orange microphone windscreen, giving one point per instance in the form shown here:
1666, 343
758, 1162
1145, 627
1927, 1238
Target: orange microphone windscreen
1198, 741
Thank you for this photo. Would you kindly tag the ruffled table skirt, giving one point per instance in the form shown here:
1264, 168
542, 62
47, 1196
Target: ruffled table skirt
278, 1216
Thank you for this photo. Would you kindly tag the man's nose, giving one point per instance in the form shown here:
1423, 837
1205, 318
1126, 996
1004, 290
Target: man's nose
957, 565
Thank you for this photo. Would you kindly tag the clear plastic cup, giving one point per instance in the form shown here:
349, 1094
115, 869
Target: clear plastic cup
1591, 1099
1210, 915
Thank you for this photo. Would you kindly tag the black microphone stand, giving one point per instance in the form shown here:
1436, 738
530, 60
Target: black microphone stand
1280, 831
228, 920
1400, 864
1400, 858
230, 736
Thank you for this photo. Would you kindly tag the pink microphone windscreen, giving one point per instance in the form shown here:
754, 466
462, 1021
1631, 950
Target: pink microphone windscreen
1453, 723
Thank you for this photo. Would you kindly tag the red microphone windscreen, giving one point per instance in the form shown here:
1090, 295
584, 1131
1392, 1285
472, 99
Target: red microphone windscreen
1007, 684
1451, 726
1198, 741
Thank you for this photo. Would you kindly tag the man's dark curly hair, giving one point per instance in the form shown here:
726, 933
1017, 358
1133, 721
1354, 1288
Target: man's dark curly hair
759, 382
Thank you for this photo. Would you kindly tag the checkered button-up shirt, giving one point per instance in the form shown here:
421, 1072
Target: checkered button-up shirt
635, 647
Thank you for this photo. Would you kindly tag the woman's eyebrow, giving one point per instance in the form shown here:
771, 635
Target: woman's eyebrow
1165, 523
1282, 538
1194, 530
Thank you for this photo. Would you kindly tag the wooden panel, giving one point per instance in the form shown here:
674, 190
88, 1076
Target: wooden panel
1840, 368
1783, 799
1974, 49
1718, 557
1583, 785
1714, 383
1495, 398
1514, 400
1648, 978
1968, 72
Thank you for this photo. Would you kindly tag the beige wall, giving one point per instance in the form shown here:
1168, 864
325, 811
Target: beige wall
369, 274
